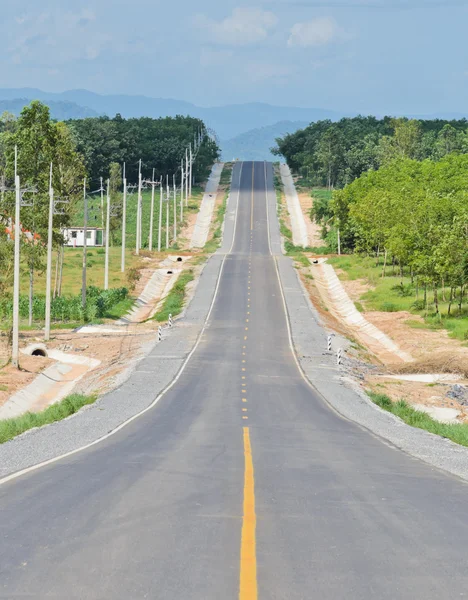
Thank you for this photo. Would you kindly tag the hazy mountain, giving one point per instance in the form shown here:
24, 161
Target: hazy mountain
60, 110
256, 143
228, 121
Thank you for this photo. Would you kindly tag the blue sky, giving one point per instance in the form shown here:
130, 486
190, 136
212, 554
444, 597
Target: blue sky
374, 56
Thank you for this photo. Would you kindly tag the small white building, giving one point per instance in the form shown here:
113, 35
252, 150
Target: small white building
74, 236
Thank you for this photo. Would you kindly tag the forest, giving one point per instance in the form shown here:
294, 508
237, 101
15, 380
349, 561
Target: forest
335, 154
80, 150
402, 197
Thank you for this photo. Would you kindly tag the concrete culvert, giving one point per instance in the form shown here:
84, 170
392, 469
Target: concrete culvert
36, 350
179, 259
170, 273
39, 352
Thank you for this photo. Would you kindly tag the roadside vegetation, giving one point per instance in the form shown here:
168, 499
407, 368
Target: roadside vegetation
396, 202
220, 211
92, 148
174, 302
10, 428
457, 432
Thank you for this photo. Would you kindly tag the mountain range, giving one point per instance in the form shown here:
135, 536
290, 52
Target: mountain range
247, 131
227, 121
256, 143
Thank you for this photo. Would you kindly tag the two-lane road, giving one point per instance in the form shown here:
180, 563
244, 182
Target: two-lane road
240, 483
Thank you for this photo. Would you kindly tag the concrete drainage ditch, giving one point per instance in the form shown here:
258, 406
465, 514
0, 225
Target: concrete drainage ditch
52, 385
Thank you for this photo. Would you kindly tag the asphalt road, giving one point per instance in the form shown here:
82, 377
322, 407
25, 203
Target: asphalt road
240, 483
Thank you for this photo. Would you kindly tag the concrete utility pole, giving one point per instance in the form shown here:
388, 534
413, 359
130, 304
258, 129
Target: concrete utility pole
49, 258
102, 204
168, 199
175, 206
85, 245
152, 214
160, 213
186, 177
16, 271
106, 264
182, 182
138, 227
191, 164
124, 220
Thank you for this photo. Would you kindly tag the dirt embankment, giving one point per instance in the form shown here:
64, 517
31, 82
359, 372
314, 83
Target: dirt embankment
433, 352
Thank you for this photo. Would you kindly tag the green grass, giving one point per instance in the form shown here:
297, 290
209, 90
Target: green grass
72, 270
457, 432
119, 309
10, 428
213, 244
389, 296
226, 174
174, 302
321, 194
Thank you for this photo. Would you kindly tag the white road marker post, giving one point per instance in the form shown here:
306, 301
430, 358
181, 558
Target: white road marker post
160, 333
329, 343
171, 323
339, 356
124, 221
16, 270
106, 264
49, 258
151, 214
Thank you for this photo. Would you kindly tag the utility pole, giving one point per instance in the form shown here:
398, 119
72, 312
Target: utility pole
191, 163
138, 227
186, 177
167, 211
85, 246
16, 280
152, 214
182, 182
106, 264
49, 259
124, 220
102, 204
175, 207
160, 213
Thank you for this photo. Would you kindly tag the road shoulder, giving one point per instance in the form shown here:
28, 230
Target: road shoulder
147, 381
309, 340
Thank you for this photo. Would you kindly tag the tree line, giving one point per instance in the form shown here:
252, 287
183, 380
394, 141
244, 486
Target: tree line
89, 148
335, 154
413, 214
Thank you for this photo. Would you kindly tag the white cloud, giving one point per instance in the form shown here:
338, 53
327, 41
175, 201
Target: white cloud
317, 32
54, 38
245, 26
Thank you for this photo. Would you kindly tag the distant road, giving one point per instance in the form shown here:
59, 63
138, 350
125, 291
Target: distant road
240, 483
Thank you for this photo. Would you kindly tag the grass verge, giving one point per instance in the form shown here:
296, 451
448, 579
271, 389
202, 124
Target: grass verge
457, 432
174, 302
394, 293
10, 428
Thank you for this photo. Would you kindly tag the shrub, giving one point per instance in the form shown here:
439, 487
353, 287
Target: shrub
389, 307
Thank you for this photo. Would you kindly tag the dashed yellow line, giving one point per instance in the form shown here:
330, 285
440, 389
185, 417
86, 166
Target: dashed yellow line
248, 560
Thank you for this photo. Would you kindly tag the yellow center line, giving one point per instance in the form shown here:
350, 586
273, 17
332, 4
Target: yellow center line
248, 560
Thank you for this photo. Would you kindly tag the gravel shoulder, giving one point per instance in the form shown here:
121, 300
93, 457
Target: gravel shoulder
338, 390
148, 379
